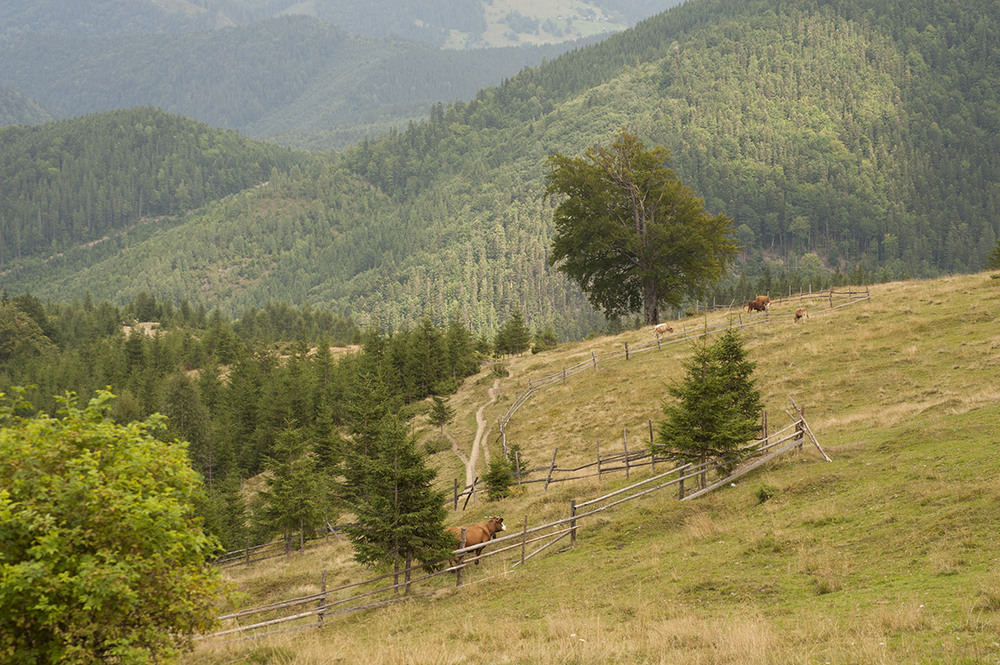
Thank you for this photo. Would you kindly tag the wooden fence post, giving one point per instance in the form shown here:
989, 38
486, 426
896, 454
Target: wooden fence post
322, 599
564, 375
552, 468
246, 549
455, 491
593, 356
524, 539
625, 446
652, 448
680, 482
598, 461
517, 467
572, 523
461, 559
626, 350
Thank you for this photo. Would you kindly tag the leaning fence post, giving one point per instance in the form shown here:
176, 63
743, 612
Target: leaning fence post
572, 523
552, 468
455, 499
246, 549
593, 357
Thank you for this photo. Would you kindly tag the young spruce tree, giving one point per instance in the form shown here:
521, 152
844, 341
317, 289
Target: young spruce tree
400, 516
717, 409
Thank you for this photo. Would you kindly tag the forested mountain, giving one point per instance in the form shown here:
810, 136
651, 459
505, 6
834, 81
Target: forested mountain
16, 109
77, 181
456, 22
859, 136
297, 79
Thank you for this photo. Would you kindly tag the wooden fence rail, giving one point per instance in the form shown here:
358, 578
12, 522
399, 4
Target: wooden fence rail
835, 299
543, 535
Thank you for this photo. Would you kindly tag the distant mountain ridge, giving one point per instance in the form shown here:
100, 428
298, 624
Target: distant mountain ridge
471, 23
840, 136
297, 78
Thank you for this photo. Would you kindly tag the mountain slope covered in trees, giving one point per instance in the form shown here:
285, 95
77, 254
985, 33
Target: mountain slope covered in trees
437, 22
77, 181
298, 79
840, 136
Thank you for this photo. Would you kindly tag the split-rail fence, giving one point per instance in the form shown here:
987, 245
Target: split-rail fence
517, 548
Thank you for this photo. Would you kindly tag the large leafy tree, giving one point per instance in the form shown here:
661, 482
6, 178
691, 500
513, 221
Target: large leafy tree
631, 233
101, 556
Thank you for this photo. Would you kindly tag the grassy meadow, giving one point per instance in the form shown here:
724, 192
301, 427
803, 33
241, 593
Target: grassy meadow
887, 554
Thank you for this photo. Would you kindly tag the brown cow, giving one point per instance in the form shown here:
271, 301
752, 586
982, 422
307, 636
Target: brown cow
756, 306
661, 329
765, 300
475, 534
800, 314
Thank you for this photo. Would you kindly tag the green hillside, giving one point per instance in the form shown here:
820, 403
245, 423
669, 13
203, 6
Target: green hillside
843, 139
80, 182
884, 555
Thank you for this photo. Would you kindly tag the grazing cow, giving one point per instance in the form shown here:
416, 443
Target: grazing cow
475, 534
764, 300
661, 329
756, 306
800, 314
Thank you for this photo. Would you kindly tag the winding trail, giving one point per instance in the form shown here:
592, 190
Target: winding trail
477, 443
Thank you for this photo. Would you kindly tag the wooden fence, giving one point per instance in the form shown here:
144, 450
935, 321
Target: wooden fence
517, 548
829, 301
822, 303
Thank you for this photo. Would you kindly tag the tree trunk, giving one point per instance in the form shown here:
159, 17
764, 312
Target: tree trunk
650, 304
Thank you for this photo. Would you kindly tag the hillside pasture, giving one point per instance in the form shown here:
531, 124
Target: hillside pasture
887, 554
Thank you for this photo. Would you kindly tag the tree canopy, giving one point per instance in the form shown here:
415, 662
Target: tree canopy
631, 233
102, 558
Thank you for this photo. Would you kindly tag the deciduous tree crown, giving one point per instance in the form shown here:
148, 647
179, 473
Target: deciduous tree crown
630, 233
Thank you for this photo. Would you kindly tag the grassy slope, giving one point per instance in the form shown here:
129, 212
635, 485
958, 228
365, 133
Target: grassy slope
888, 554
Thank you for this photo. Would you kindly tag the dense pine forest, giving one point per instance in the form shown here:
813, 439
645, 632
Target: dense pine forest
234, 390
73, 182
